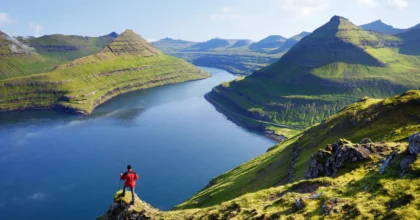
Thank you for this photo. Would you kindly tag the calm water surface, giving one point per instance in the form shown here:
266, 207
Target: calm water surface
59, 166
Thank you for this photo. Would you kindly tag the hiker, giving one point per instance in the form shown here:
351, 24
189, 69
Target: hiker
130, 178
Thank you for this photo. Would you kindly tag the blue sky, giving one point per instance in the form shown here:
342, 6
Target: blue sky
196, 20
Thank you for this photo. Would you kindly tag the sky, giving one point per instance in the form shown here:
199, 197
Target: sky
196, 20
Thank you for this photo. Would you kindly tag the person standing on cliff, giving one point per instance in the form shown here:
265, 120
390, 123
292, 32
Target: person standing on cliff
130, 178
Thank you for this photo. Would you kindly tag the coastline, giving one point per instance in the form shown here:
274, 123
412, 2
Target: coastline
258, 126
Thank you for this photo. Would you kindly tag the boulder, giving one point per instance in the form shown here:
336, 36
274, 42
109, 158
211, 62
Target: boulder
414, 144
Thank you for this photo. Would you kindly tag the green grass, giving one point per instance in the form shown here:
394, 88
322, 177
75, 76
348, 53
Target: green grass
392, 119
361, 193
47, 52
129, 63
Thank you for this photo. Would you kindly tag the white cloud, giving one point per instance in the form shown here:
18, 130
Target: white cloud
398, 4
37, 28
4, 19
36, 196
224, 14
367, 3
304, 8
150, 40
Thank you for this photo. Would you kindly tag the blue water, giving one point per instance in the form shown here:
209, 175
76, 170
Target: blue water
59, 166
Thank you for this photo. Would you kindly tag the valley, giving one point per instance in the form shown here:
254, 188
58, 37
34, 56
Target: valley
292, 112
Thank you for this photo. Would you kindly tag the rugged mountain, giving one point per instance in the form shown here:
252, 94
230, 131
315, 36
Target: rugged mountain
18, 59
332, 170
128, 63
169, 45
381, 27
289, 43
334, 66
268, 43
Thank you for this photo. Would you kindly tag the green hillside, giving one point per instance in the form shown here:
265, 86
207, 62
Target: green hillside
18, 59
334, 66
25, 56
271, 186
128, 63
392, 119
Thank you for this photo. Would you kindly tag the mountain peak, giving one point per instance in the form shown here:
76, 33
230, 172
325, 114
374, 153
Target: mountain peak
113, 34
379, 26
130, 43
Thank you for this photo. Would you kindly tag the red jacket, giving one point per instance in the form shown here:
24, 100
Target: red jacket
130, 178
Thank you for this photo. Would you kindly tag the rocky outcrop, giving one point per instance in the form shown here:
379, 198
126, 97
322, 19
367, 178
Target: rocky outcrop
121, 209
328, 161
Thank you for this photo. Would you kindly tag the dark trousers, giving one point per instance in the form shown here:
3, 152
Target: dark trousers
132, 192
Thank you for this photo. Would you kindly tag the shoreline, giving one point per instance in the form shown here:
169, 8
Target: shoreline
261, 129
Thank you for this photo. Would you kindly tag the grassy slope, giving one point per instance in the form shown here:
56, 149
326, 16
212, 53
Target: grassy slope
128, 63
250, 191
392, 119
329, 69
21, 61
46, 53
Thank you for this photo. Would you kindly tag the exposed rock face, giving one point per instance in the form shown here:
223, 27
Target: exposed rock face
414, 144
327, 162
120, 209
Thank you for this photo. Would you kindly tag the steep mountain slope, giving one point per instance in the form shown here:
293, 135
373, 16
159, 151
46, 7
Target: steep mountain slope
335, 65
392, 119
370, 181
381, 27
128, 63
18, 59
